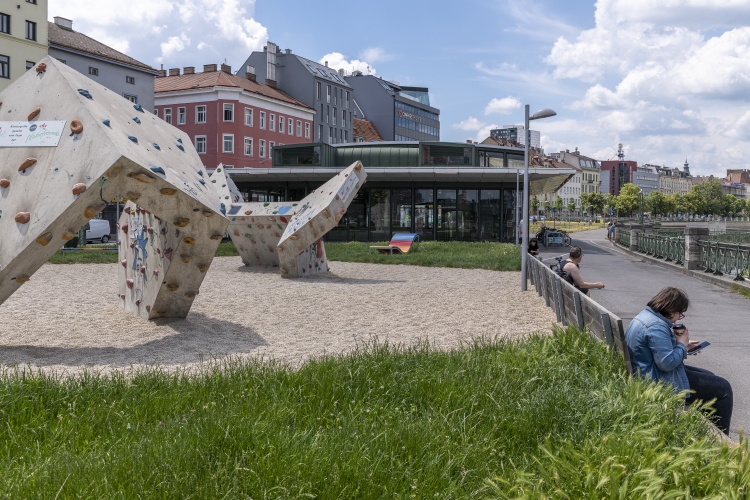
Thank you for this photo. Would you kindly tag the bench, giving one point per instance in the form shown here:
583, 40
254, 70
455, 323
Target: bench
400, 243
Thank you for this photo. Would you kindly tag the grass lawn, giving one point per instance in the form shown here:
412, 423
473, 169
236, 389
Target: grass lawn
530, 419
570, 227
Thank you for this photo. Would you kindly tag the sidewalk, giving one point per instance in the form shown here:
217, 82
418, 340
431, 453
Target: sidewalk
715, 314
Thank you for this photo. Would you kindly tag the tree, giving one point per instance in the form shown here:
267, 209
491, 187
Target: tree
572, 204
535, 204
694, 202
597, 202
611, 201
558, 204
629, 198
713, 196
657, 203
732, 205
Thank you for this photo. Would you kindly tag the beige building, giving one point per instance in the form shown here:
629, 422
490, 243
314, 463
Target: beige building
23, 37
674, 180
586, 179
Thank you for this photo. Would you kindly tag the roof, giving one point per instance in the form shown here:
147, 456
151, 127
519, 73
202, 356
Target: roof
365, 129
502, 142
183, 83
67, 38
320, 70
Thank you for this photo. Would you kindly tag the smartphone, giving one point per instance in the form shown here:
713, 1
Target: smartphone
698, 348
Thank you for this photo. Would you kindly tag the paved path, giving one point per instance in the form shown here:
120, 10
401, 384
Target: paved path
715, 314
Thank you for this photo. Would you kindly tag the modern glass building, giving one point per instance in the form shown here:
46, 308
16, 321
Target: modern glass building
442, 191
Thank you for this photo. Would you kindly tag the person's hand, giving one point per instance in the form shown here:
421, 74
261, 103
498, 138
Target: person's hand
599, 285
693, 344
682, 336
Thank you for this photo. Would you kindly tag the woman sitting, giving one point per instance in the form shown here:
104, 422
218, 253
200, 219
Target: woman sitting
658, 348
533, 247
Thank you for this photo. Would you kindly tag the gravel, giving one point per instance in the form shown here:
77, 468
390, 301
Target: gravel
68, 317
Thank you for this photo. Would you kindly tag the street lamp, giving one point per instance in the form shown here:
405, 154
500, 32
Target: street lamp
542, 113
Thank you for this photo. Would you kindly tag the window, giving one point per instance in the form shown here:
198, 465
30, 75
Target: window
30, 31
130, 80
347, 99
131, 98
335, 95
181, 115
168, 115
307, 130
93, 71
248, 146
272, 122
328, 100
5, 28
320, 133
346, 136
270, 149
228, 143
334, 117
4, 67
262, 149
281, 124
228, 112
317, 85
291, 126
248, 117
299, 128
200, 144
328, 113
263, 119
330, 135
29, 65
200, 114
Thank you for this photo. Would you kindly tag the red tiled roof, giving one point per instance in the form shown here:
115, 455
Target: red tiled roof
365, 129
220, 79
67, 38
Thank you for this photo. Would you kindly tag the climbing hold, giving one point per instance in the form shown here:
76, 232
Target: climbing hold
326, 212
158, 170
85, 93
168, 191
181, 222
137, 120
68, 235
203, 267
190, 295
248, 212
41, 67
337, 218
357, 186
132, 196
132, 245
157, 146
4, 183
124, 262
208, 213
294, 237
188, 240
168, 253
106, 122
122, 297
150, 230
113, 172
200, 172
138, 107
342, 211
130, 283
179, 140
23, 217
138, 302
172, 287
21, 279
76, 126
156, 272
44, 239
26, 164
92, 211
79, 188
223, 185
223, 209
148, 308
202, 181
141, 177
185, 258
216, 237
143, 269
180, 147
134, 139
127, 210
124, 228
34, 113
358, 166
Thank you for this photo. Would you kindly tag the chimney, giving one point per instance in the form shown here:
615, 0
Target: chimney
469, 141
326, 64
188, 70
250, 73
226, 69
271, 83
162, 72
209, 68
174, 71
288, 51
64, 23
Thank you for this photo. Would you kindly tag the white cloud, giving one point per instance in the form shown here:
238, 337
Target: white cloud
484, 132
173, 45
504, 106
337, 60
374, 55
470, 123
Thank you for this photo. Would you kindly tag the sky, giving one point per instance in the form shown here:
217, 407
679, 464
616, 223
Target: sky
669, 80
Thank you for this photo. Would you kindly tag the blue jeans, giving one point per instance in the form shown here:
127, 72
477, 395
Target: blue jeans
708, 386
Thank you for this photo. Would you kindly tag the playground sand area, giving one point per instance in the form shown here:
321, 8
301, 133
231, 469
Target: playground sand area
68, 318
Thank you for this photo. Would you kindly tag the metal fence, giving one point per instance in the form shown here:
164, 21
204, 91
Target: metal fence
730, 236
720, 259
669, 248
623, 237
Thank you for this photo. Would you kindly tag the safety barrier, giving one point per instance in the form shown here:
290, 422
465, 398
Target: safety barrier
669, 248
725, 259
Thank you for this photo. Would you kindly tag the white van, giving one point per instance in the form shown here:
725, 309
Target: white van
97, 230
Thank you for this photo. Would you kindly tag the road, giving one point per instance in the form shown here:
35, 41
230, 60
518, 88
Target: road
715, 314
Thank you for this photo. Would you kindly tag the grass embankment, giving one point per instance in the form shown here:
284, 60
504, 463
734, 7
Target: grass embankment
741, 290
548, 415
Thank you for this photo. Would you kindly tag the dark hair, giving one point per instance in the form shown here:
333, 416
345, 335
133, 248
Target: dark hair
533, 240
669, 301
575, 252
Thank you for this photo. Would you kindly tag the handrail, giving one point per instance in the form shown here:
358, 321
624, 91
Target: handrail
718, 258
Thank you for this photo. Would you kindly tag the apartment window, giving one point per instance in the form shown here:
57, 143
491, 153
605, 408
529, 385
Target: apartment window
299, 128
181, 115
262, 149
291, 126
93, 71
131, 98
248, 117
330, 135
248, 146
272, 122
335, 96
29, 65
30, 31
346, 136
318, 89
320, 133
228, 112
4, 67
228, 143
328, 113
347, 100
200, 114
263, 120
130, 80
328, 99
307, 130
334, 117
270, 149
281, 124
343, 118
168, 115
200, 144
5, 28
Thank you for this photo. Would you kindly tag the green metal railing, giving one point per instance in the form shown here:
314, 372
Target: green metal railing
730, 236
623, 237
719, 258
671, 249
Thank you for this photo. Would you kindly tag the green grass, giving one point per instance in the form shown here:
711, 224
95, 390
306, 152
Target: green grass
741, 290
225, 250
495, 256
535, 419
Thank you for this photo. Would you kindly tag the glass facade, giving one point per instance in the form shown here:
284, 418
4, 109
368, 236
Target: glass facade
380, 214
424, 208
466, 214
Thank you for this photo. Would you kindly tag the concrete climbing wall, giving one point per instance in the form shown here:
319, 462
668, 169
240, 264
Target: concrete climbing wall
225, 186
108, 147
256, 228
301, 251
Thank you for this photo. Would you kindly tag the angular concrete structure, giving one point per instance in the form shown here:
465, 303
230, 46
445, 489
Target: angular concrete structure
108, 147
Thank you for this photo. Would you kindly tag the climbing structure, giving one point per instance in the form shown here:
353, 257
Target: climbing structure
68, 146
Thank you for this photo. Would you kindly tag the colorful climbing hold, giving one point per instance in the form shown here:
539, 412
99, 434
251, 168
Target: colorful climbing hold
124, 228
41, 68
141, 177
138, 107
158, 170
188, 240
106, 122
137, 120
172, 287
26, 164
85, 93
203, 267
124, 262
134, 139
181, 222
179, 140
44, 239
4, 183
185, 258
23, 217
168, 191
216, 237
130, 283
202, 181
200, 172
223, 209
133, 196
68, 235
79, 188
92, 212
113, 172
21, 279
208, 213
190, 295
76, 126
34, 113
179, 146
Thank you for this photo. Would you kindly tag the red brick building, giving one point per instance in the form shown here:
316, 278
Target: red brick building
615, 174
231, 120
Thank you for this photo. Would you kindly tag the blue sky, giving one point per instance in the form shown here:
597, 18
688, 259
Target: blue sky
668, 79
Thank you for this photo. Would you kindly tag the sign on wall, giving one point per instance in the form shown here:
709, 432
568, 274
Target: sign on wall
30, 134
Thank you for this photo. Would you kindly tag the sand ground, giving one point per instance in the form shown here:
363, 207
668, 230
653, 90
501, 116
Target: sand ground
68, 318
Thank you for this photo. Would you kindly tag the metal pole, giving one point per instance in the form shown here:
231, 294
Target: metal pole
525, 211
517, 208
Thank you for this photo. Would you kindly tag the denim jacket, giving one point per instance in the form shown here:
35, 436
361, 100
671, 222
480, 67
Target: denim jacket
654, 350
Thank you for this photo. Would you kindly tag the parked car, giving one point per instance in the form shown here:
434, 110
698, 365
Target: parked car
542, 218
97, 230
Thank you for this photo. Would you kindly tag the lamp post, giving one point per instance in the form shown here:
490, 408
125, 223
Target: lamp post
542, 113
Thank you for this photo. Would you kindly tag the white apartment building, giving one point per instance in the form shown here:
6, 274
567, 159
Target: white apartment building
586, 179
